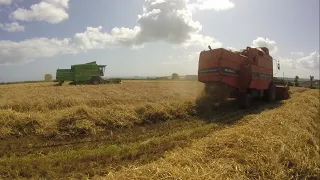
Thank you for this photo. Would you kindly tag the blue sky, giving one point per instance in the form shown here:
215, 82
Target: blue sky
152, 37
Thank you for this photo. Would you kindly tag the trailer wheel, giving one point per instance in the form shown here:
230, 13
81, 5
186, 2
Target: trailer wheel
245, 101
270, 93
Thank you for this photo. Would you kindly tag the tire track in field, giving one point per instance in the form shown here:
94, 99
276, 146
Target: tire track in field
223, 116
123, 136
138, 150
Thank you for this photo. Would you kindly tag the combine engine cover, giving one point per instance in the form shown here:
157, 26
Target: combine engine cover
240, 74
251, 68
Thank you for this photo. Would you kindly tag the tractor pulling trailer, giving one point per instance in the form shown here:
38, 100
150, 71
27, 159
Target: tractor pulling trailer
89, 73
248, 72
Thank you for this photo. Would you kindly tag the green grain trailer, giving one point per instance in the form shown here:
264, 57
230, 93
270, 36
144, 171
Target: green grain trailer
89, 73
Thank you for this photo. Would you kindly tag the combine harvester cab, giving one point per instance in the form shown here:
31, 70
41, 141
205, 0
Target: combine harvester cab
89, 73
246, 74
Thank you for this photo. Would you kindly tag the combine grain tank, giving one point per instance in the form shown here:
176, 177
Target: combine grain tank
249, 73
89, 73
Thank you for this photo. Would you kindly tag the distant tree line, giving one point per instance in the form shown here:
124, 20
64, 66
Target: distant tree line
298, 83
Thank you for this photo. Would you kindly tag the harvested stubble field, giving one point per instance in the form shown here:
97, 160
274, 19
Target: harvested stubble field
153, 130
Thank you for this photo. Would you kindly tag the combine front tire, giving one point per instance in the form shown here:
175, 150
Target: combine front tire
73, 83
245, 101
60, 83
270, 93
96, 81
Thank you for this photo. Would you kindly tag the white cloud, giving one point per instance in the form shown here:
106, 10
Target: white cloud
52, 11
12, 27
216, 5
310, 62
191, 57
5, 2
198, 40
297, 53
162, 20
94, 38
287, 63
231, 48
58, 3
302, 67
262, 42
171, 62
170, 21
23, 51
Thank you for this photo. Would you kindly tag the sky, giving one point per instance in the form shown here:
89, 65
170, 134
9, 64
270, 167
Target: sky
152, 37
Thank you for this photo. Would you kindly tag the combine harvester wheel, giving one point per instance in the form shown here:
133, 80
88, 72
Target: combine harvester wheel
84, 74
96, 80
270, 93
59, 83
245, 101
282, 93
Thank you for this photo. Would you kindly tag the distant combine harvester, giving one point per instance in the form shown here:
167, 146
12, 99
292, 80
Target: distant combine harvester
88, 73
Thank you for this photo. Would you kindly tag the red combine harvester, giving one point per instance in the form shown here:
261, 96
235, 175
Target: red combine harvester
248, 72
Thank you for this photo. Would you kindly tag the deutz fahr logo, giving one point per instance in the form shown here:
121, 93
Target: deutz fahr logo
213, 70
230, 70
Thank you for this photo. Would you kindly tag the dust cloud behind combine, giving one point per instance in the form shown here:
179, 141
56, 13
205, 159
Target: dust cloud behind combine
211, 96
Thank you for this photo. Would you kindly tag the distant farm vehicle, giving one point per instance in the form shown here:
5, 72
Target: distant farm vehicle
249, 73
89, 73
